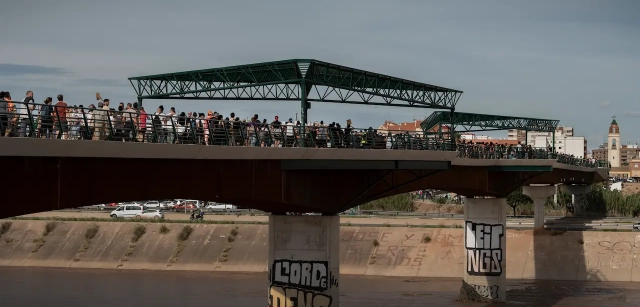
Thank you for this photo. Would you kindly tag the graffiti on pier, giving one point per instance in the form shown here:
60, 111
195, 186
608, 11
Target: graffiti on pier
294, 297
300, 283
490, 292
484, 250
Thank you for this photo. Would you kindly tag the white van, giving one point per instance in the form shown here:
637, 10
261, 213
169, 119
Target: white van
126, 211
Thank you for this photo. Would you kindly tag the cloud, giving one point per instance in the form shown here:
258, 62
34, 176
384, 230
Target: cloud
604, 104
100, 82
21, 70
633, 114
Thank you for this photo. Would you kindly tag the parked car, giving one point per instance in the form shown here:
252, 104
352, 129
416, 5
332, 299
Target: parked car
194, 202
131, 203
184, 207
149, 215
221, 207
152, 204
126, 211
166, 205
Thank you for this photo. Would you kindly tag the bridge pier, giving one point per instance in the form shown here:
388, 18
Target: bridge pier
304, 260
577, 197
485, 275
539, 194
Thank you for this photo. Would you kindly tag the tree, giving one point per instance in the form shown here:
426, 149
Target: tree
458, 137
516, 198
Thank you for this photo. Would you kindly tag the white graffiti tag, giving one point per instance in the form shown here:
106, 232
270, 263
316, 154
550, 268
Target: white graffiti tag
483, 245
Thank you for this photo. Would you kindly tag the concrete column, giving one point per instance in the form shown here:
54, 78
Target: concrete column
577, 192
304, 259
539, 194
485, 274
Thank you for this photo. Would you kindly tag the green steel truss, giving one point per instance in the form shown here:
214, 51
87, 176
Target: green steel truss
470, 122
282, 80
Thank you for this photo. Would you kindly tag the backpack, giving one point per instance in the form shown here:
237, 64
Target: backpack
46, 111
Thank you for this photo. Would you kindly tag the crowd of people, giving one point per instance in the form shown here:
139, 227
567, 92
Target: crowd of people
490, 150
130, 122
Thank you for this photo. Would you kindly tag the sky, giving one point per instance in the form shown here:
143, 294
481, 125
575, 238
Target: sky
577, 61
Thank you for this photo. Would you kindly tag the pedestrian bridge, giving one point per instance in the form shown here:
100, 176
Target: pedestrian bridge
69, 174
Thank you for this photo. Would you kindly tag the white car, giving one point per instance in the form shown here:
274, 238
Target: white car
166, 205
152, 204
126, 211
149, 215
131, 203
221, 207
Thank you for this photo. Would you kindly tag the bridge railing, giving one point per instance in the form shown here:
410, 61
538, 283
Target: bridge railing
495, 151
78, 123
106, 124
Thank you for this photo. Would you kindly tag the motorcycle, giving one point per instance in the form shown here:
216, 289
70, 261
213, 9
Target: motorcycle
198, 216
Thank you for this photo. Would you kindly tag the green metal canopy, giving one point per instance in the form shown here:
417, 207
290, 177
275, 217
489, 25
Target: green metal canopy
470, 122
297, 79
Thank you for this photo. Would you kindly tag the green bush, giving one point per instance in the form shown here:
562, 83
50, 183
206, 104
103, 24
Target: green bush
440, 200
400, 202
602, 201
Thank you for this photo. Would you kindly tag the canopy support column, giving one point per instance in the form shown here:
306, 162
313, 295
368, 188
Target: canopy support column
304, 106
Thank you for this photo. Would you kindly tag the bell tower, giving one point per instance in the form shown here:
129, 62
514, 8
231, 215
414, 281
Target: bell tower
613, 140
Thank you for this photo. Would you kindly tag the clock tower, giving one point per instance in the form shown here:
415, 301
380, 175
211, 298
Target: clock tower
613, 140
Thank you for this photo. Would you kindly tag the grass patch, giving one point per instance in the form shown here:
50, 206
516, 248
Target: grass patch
4, 227
91, 232
138, 232
48, 228
233, 233
185, 233
223, 258
372, 259
39, 243
88, 236
164, 229
182, 237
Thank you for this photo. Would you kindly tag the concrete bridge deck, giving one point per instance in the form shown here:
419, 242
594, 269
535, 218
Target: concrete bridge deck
67, 174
